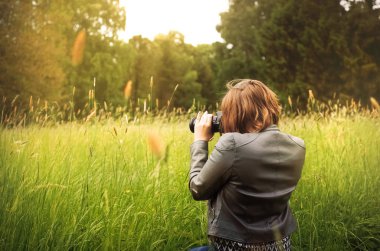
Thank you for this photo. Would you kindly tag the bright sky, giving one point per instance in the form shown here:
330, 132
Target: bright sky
195, 19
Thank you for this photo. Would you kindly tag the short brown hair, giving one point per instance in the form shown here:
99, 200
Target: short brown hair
249, 106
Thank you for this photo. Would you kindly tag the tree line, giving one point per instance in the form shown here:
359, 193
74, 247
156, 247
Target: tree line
55, 50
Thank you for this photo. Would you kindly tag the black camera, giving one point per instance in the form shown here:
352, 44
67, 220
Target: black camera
215, 125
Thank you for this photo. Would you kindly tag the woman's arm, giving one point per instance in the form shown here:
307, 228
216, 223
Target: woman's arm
208, 175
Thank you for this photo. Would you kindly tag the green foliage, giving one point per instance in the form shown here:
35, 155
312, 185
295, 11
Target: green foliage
142, 72
330, 47
240, 55
300, 45
104, 56
30, 50
175, 67
205, 66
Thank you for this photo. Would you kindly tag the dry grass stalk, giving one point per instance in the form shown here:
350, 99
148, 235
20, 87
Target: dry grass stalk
374, 103
170, 101
105, 203
31, 108
151, 82
49, 185
14, 100
92, 114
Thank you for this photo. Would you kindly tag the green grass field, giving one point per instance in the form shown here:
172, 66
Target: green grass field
99, 186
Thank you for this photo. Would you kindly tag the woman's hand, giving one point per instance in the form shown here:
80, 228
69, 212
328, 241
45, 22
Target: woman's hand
202, 127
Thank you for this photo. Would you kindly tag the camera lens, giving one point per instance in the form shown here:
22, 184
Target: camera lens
215, 126
192, 124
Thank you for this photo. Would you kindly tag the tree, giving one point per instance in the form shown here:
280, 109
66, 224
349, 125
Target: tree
35, 46
142, 71
362, 50
240, 56
301, 44
176, 68
101, 20
298, 45
205, 66
30, 49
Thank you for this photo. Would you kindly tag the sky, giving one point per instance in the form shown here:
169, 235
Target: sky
195, 19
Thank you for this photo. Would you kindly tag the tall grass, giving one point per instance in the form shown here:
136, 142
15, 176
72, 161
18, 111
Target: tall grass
106, 184
15, 113
336, 202
86, 187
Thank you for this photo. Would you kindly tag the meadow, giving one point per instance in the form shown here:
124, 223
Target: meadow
117, 185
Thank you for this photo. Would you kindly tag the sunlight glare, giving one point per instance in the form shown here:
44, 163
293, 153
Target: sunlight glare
195, 19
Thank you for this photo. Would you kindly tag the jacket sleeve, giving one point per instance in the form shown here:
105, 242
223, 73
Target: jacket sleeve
207, 175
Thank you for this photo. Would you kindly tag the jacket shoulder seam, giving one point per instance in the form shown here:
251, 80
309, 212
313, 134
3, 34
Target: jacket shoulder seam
229, 148
235, 155
290, 137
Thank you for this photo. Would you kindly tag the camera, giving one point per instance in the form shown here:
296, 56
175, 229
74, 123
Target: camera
215, 123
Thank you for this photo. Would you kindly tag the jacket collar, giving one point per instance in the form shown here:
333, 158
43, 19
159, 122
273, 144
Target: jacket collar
272, 127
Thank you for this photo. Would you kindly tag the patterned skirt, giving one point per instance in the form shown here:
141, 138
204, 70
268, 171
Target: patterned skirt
221, 244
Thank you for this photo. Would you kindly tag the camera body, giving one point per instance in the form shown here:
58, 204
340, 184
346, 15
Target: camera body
215, 123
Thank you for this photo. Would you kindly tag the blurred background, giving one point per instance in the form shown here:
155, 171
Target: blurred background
57, 50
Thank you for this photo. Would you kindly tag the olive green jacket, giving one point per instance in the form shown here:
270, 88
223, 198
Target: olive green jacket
248, 180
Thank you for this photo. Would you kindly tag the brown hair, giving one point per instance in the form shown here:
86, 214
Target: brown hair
249, 106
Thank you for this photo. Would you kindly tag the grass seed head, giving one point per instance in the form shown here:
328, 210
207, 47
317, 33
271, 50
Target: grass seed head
78, 48
311, 95
156, 144
290, 101
128, 90
151, 82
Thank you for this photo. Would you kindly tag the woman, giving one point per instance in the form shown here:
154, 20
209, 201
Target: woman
251, 173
